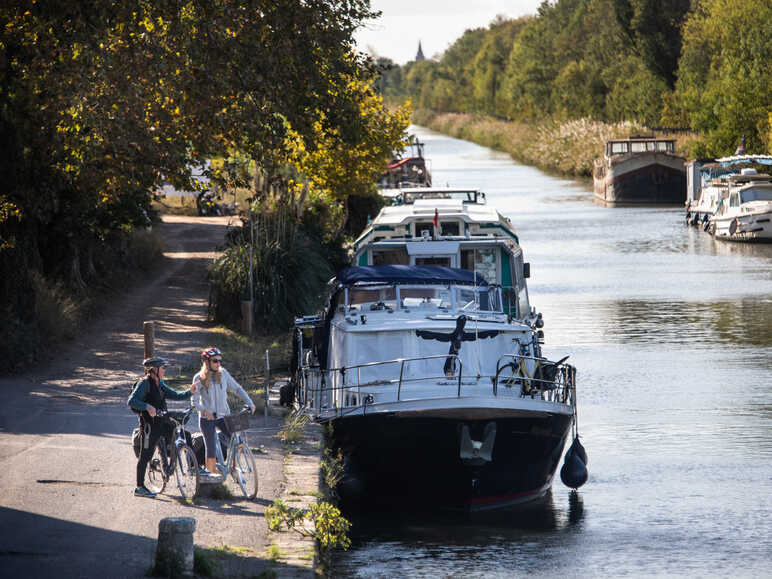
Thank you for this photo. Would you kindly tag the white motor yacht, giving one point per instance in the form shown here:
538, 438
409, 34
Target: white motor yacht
746, 213
433, 392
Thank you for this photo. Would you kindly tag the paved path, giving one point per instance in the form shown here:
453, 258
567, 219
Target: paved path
66, 465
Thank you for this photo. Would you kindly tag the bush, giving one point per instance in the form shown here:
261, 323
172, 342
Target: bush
290, 269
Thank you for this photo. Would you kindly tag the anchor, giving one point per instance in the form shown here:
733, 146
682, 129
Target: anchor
475, 452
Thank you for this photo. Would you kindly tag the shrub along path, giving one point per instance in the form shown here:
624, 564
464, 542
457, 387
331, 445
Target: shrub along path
66, 466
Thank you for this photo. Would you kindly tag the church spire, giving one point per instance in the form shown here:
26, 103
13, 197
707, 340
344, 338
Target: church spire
420, 54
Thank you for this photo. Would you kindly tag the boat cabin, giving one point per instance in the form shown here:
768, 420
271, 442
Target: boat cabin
449, 228
633, 145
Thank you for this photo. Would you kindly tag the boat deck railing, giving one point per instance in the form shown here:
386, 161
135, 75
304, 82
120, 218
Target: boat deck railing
517, 376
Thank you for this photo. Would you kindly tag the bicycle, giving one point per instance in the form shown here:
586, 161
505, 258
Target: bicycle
533, 381
240, 464
182, 462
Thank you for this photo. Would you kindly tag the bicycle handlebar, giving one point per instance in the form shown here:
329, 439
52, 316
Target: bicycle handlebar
178, 416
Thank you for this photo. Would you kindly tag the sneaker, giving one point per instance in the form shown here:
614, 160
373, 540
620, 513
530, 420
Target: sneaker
143, 492
203, 471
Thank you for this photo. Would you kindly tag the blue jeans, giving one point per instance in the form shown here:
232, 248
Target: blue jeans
208, 430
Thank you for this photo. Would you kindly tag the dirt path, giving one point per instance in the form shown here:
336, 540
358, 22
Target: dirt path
66, 466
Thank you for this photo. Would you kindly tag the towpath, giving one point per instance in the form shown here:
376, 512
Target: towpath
66, 466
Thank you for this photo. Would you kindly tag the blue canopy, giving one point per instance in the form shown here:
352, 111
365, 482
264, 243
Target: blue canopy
423, 274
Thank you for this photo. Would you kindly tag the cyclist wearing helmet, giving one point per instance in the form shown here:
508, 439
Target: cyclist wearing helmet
149, 396
211, 385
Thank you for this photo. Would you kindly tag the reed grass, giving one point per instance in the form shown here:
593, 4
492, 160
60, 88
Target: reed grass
565, 147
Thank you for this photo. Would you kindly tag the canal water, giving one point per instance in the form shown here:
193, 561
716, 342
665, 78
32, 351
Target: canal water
671, 333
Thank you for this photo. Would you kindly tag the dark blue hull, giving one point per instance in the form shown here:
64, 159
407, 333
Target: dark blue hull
418, 460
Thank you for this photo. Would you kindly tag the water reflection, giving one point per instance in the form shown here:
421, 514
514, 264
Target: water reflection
385, 542
747, 320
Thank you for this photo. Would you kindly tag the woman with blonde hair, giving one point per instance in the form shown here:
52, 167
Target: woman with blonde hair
211, 399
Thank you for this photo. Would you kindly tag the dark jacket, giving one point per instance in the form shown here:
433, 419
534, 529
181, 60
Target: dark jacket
146, 392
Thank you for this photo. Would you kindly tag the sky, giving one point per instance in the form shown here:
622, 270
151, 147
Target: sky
436, 23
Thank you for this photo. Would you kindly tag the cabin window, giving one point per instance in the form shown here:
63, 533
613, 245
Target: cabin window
617, 148
734, 200
424, 297
467, 259
391, 257
485, 264
478, 299
421, 226
756, 195
482, 261
662, 146
449, 227
442, 261
638, 147
370, 299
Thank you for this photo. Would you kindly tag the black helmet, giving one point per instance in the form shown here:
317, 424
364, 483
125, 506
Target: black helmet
154, 362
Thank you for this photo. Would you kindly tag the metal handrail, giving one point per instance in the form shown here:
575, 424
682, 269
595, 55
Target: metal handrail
567, 385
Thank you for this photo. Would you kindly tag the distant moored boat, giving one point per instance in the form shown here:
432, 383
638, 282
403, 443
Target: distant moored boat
640, 170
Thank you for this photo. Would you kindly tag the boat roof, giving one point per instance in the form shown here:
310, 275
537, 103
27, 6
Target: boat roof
409, 194
471, 212
407, 274
734, 159
638, 138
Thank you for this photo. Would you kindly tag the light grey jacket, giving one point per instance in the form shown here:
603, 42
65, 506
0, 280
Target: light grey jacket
215, 398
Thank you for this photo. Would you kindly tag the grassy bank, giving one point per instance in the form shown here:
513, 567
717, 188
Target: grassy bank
564, 147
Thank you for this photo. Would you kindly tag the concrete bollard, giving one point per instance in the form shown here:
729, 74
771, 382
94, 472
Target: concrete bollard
174, 553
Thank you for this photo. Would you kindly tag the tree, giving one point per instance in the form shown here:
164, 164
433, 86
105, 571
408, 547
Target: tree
100, 101
724, 85
653, 28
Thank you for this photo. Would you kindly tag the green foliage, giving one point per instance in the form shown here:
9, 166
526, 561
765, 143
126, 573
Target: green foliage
724, 87
290, 269
322, 521
654, 29
101, 102
204, 563
294, 423
703, 64
332, 469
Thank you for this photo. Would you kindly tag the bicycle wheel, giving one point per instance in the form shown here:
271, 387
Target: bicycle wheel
244, 471
186, 471
155, 477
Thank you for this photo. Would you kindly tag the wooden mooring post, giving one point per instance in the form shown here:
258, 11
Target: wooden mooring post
149, 330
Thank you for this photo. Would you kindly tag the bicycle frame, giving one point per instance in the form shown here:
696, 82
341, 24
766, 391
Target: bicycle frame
226, 465
169, 462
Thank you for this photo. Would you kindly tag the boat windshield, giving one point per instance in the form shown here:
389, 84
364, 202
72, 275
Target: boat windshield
756, 194
479, 299
440, 297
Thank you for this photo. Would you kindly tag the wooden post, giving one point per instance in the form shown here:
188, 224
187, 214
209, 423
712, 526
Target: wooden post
149, 330
246, 317
267, 380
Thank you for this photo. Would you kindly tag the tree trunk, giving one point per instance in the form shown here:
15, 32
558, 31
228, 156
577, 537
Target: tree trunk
76, 279
343, 221
300, 205
91, 271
